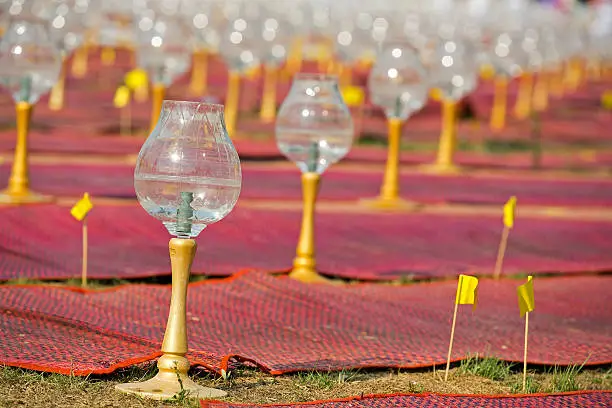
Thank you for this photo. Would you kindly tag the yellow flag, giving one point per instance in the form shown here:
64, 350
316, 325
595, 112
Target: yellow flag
352, 95
606, 100
526, 300
136, 78
467, 293
509, 212
82, 208
122, 97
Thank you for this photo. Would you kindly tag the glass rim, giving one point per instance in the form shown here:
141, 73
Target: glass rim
313, 76
213, 106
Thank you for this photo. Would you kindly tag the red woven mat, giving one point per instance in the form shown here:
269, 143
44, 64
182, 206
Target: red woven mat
283, 325
602, 399
284, 183
124, 242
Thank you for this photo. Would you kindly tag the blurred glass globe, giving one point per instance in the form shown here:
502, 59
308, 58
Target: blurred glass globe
29, 61
398, 81
314, 128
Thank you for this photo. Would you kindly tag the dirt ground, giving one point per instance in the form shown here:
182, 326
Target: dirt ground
24, 388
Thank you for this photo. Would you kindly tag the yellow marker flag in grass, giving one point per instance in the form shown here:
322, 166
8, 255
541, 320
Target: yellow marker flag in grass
467, 293
353, 95
136, 78
509, 212
122, 97
526, 299
82, 208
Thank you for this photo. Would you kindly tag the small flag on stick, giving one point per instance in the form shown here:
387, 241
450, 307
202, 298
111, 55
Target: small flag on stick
467, 294
526, 302
508, 219
122, 97
79, 211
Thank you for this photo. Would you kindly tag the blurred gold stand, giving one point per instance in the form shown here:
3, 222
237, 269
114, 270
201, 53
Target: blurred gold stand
500, 100
304, 263
522, 106
172, 378
448, 142
159, 93
389, 193
18, 191
56, 97
232, 103
199, 73
267, 112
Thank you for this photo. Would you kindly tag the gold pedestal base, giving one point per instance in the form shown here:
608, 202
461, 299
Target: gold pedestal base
166, 385
388, 203
306, 275
23, 197
437, 168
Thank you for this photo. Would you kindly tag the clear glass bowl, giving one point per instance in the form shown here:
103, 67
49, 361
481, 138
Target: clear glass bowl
314, 128
398, 81
188, 172
29, 62
454, 71
164, 46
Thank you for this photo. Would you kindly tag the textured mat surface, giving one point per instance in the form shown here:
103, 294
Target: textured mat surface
285, 326
282, 183
45, 242
593, 399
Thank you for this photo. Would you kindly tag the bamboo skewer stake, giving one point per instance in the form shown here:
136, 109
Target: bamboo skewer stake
501, 252
525, 353
450, 345
84, 265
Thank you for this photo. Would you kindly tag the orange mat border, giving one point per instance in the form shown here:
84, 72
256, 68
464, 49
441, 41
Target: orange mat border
206, 403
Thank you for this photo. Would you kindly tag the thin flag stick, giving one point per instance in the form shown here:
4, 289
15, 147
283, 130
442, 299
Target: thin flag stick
501, 252
525, 353
84, 269
450, 345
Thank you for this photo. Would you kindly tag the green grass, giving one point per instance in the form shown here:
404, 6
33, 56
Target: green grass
324, 380
531, 386
488, 367
564, 379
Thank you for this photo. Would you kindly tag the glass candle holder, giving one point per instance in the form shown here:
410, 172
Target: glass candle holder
455, 74
29, 67
314, 129
187, 176
398, 84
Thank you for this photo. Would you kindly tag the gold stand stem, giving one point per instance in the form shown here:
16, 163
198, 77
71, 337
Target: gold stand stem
304, 264
345, 74
199, 73
159, 92
573, 74
232, 100
173, 366
556, 83
18, 191
108, 56
522, 107
389, 192
267, 112
540, 93
56, 98
448, 138
500, 100
80, 61
390, 188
